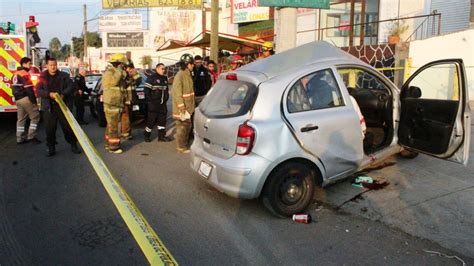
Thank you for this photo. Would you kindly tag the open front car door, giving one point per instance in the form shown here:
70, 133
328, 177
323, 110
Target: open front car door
435, 114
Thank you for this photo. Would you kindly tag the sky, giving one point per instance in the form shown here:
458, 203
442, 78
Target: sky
57, 18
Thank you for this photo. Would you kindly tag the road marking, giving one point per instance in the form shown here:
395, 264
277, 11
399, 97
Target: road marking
149, 242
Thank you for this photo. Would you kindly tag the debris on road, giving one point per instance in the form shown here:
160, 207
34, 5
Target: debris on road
444, 255
359, 180
302, 218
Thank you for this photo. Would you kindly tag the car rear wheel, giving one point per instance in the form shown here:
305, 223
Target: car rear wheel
289, 189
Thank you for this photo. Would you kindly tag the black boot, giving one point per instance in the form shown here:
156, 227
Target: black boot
75, 149
50, 151
162, 136
147, 136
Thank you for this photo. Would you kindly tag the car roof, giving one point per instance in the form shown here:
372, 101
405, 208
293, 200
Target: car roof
295, 58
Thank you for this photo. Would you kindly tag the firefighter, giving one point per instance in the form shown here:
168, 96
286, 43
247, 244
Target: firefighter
26, 103
267, 50
81, 93
53, 82
114, 87
133, 80
183, 102
156, 95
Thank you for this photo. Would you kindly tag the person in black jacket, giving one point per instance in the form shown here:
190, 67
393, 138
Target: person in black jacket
51, 82
81, 92
202, 80
156, 95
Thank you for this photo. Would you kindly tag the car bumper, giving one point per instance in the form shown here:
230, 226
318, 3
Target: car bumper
237, 176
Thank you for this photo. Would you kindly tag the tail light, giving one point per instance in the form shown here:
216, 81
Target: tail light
231, 76
245, 139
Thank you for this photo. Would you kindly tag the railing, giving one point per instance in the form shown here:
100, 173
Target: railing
429, 26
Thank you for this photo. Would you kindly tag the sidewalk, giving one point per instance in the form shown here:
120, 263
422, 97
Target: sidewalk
426, 197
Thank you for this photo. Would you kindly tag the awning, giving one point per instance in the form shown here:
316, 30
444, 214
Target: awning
203, 40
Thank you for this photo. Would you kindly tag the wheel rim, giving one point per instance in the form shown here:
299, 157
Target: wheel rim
292, 190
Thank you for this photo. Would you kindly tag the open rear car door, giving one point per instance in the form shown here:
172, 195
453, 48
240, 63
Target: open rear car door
435, 114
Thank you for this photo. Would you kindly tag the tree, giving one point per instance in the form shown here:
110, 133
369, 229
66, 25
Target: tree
146, 61
54, 48
93, 39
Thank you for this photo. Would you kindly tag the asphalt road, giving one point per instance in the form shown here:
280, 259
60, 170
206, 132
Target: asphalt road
54, 211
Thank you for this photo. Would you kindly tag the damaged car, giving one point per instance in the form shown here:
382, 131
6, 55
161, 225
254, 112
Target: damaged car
278, 127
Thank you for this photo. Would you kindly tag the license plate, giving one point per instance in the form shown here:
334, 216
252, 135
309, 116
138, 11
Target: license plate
135, 108
205, 169
141, 95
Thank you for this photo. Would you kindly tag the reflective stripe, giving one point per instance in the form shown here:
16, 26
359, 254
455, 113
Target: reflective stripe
159, 127
188, 95
147, 129
20, 129
113, 140
33, 126
181, 105
27, 86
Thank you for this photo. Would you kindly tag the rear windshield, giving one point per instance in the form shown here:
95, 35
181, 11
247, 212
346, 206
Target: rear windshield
229, 98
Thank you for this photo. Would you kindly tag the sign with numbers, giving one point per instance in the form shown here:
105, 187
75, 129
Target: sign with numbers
113, 4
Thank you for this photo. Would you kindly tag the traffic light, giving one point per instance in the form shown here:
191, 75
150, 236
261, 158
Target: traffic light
32, 30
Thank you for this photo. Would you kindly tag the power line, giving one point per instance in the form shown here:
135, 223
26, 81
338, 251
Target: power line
40, 13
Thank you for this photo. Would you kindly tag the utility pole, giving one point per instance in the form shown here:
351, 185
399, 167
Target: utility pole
85, 34
214, 30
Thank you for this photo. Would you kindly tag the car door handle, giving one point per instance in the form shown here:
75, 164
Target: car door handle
309, 128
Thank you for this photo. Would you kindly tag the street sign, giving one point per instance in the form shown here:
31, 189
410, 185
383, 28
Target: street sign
113, 4
323, 4
4, 25
121, 23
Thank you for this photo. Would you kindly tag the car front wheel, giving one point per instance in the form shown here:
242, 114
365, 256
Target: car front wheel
289, 189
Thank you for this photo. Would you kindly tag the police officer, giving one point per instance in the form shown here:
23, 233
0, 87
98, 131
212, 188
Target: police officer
183, 102
81, 94
53, 82
25, 99
114, 87
156, 95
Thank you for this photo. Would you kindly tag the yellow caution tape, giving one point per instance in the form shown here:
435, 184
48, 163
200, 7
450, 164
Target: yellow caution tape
154, 250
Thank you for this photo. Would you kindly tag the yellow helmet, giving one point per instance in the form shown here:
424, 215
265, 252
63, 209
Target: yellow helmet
118, 58
267, 46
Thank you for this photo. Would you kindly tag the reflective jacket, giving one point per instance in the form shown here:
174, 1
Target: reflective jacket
156, 89
22, 85
132, 83
183, 93
114, 87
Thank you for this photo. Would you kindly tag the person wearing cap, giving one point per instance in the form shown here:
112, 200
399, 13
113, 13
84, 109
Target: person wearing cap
114, 85
53, 83
267, 50
25, 99
183, 102
133, 81
80, 93
156, 95
236, 62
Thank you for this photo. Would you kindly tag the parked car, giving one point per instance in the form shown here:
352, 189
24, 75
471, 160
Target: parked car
139, 107
277, 127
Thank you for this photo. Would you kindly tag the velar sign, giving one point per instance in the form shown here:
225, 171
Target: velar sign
322, 4
248, 11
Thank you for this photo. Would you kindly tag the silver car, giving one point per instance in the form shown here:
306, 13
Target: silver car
279, 126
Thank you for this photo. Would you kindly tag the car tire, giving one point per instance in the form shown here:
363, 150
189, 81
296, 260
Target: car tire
289, 189
408, 154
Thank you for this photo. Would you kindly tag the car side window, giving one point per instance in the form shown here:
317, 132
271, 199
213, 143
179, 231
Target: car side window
357, 79
315, 91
